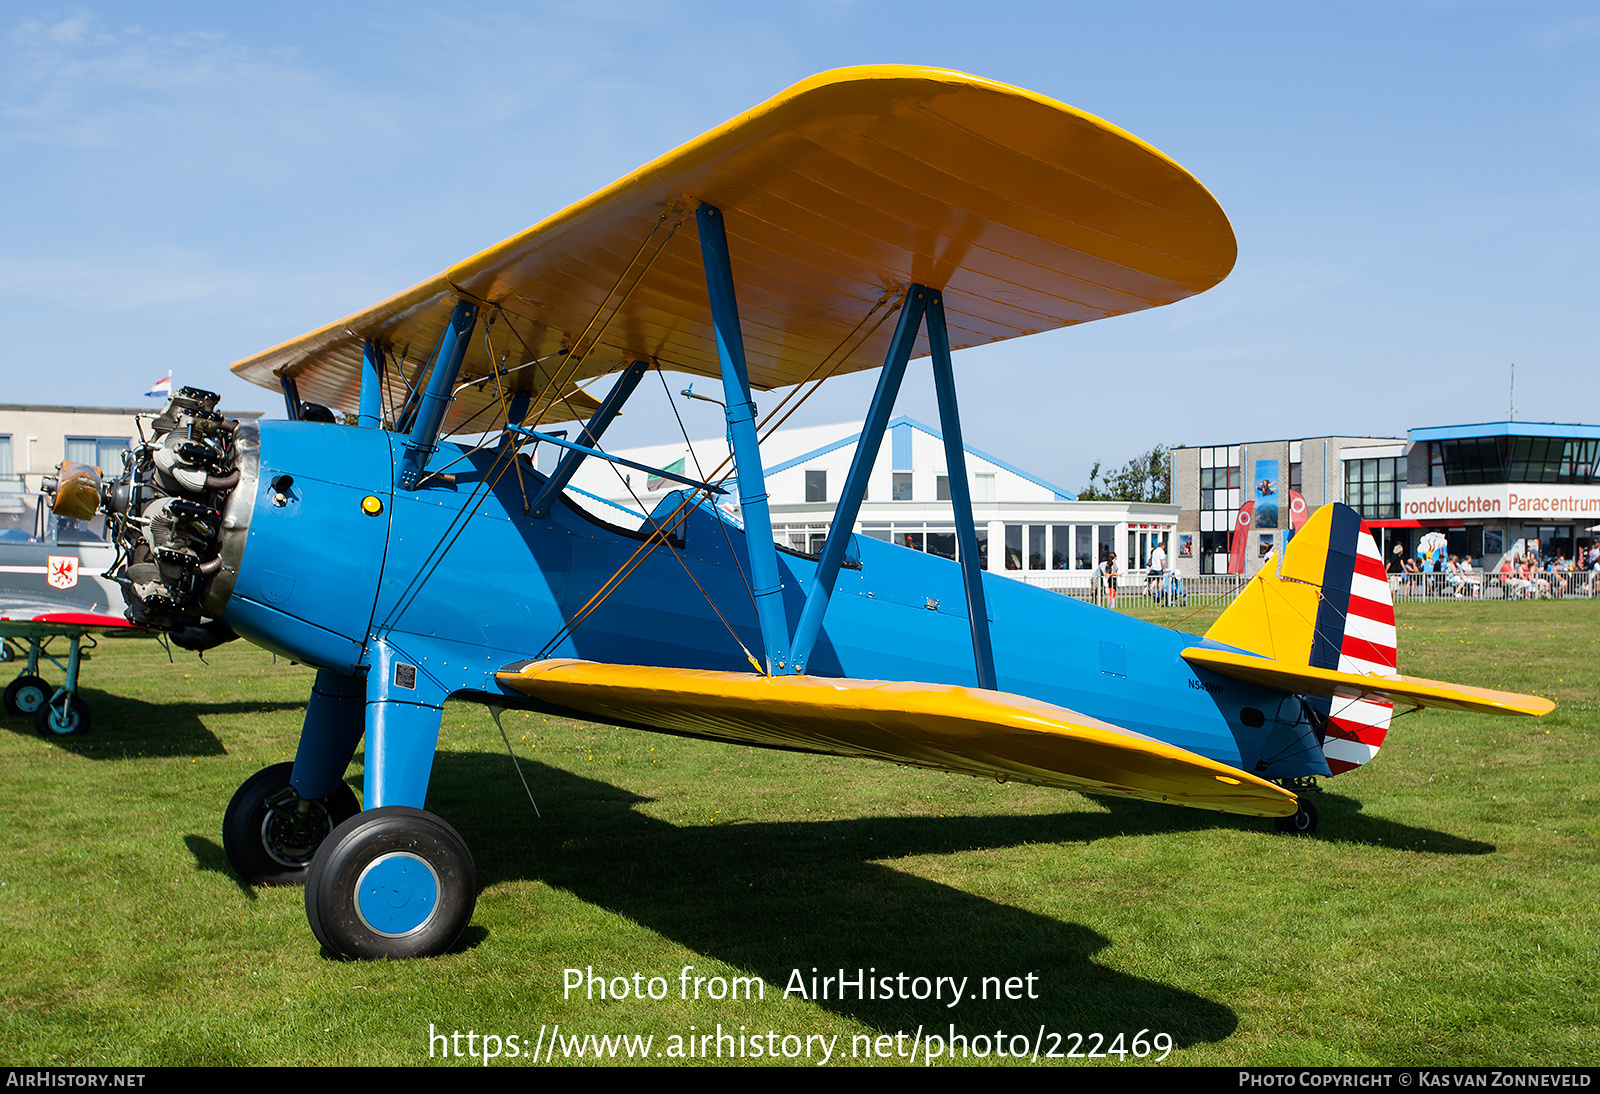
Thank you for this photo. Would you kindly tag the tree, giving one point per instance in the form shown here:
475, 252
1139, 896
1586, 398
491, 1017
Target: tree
1147, 477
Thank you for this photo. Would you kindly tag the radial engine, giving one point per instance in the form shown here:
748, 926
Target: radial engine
174, 516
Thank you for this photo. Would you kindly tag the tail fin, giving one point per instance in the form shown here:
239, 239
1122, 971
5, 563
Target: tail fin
1324, 603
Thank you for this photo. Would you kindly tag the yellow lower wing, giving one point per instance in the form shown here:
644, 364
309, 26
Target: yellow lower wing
1305, 680
940, 726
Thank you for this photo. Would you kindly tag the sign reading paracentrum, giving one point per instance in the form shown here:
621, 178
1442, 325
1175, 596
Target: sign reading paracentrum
1515, 499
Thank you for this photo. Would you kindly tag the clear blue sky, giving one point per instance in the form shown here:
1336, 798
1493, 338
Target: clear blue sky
1415, 187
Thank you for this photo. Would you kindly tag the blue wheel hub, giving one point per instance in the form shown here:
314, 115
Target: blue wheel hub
397, 894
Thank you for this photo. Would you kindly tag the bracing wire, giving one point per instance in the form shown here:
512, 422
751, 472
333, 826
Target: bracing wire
692, 498
495, 712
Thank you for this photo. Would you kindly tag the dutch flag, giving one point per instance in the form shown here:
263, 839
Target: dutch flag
161, 388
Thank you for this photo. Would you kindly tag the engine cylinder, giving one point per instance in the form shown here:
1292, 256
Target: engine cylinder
180, 513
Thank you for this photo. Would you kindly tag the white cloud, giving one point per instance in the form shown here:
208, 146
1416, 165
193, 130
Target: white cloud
196, 96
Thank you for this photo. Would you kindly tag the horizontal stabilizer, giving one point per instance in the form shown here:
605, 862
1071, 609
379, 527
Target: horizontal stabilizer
1413, 690
941, 726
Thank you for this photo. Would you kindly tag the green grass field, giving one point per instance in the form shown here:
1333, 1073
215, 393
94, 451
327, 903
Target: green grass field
1445, 913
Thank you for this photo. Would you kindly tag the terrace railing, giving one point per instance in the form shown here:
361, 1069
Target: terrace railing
1492, 585
1138, 589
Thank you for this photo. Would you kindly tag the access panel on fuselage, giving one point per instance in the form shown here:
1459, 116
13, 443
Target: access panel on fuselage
312, 560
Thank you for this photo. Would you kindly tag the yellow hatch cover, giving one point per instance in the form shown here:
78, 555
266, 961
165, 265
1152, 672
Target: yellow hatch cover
1413, 690
838, 193
941, 726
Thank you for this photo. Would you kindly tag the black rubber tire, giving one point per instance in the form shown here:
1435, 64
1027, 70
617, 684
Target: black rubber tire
52, 720
360, 842
1302, 823
268, 847
26, 694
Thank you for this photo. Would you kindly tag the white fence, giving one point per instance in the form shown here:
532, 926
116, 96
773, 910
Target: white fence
1138, 589
1478, 585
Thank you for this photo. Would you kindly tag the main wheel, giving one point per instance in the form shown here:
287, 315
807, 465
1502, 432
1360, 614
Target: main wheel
271, 833
68, 717
1302, 823
26, 694
391, 882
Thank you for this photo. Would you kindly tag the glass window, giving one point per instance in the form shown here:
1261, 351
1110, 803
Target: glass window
816, 486
982, 531
942, 544
983, 487
1013, 546
1061, 547
902, 486
1084, 554
102, 452
1107, 534
1219, 495
876, 531
1036, 547
912, 540
80, 449
941, 488
1372, 486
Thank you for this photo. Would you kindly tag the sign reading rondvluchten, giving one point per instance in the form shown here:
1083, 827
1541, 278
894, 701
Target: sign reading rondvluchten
1502, 500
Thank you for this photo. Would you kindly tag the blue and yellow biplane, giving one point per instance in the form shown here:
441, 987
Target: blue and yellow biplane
861, 219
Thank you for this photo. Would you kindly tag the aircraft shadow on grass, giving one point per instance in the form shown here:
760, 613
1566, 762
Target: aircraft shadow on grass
1342, 822
771, 897
127, 727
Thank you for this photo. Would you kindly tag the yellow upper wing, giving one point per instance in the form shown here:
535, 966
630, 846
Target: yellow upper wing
841, 190
966, 730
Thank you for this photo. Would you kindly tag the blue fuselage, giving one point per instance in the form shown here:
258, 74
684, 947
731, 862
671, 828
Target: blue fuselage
455, 579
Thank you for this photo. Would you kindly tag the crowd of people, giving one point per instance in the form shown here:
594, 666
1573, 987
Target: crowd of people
1521, 575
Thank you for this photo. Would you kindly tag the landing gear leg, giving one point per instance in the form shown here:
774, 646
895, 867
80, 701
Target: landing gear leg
280, 816
393, 881
1303, 823
271, 833
65, 714
1304, 820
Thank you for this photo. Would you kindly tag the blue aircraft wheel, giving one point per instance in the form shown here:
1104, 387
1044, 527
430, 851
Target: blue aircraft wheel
271, 833
26, 694
63, 716
391, 882
1302, 823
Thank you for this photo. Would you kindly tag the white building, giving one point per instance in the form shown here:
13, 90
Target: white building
1027, 528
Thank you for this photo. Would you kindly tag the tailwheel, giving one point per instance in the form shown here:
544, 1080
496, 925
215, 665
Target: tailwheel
391, 882
271, 833
1303, 823
64, 715
25, 695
